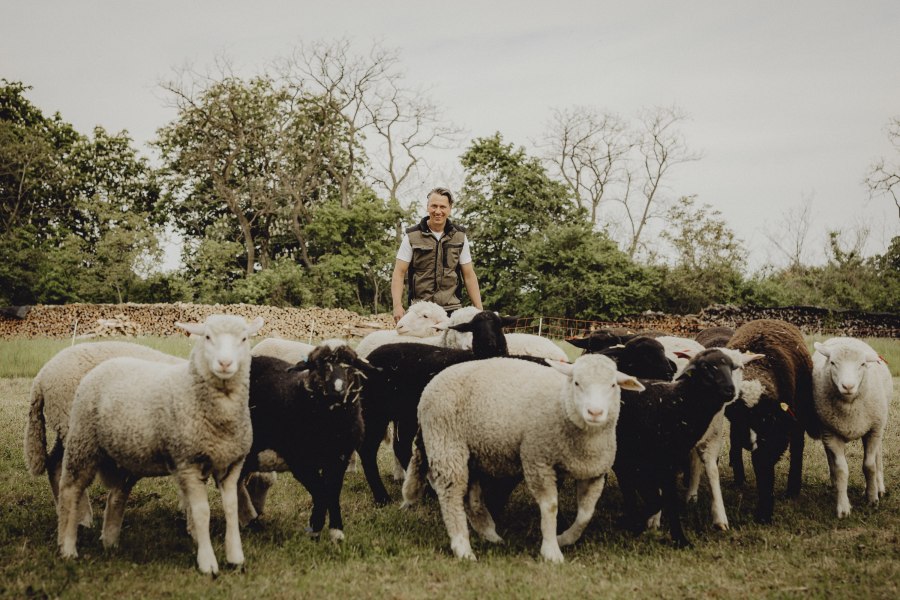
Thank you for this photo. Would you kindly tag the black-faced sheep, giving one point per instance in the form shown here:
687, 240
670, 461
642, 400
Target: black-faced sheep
659, 426
134, 418
852, 390
309, 415
774, 408
507, 418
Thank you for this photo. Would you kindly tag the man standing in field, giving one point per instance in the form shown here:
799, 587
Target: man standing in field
435, 260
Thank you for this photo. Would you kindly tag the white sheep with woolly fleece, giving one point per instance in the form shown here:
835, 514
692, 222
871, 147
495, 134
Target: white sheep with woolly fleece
287, 350
417, 325
134, 418
852, 389
680, 350
52, 393
512, 417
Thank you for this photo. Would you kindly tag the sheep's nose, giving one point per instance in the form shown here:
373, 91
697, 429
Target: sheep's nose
224, 364
848, 387
597, 414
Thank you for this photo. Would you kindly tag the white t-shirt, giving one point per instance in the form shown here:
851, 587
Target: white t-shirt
405, 252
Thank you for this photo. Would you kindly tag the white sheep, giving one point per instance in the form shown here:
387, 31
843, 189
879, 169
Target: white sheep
680, 350
852, 389
134, 418
417, 325
287, 350
52, 393
511, 417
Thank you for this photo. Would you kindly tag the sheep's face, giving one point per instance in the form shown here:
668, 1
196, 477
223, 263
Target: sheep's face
642, 357
422, 319
224, 343
595, 388
335, 376
739, 359
847, 366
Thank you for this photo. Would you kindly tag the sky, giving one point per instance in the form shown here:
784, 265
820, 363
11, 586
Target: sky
788, 101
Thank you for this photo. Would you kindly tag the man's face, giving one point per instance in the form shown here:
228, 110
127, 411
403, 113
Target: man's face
438, 210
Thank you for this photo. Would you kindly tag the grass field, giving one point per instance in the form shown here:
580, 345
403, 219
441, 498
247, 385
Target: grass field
390, 553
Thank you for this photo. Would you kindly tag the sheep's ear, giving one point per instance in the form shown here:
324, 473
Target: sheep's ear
748, 357
688, 372
583, 343
444, 326
629, 382
688, 354
365, 366
822, 349
508, 321
873, 357
563, 367
198, 329
254, 326
299, 367
614, 352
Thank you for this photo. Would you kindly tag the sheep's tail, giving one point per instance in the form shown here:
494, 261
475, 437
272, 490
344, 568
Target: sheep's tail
36, 433
416, 472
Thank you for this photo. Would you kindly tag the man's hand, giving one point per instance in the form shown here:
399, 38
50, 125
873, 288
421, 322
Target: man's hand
398, 313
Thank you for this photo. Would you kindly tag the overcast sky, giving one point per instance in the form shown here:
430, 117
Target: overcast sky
787, 99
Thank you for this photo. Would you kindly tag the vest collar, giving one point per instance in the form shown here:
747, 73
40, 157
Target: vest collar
448, 228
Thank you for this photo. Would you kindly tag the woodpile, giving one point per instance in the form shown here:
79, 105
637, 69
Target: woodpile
102, 320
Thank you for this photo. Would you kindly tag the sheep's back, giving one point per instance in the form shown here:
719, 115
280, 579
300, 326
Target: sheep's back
489, 406
785, 372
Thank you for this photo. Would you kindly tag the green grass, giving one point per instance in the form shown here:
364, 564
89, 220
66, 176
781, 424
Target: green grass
391, 553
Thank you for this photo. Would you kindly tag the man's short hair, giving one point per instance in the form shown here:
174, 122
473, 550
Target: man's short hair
441, 191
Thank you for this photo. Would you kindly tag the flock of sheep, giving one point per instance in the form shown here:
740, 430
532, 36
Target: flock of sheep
474, 412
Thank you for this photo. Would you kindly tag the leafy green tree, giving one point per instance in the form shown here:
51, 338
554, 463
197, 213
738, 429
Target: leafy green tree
572, 271
507, 196
707, 262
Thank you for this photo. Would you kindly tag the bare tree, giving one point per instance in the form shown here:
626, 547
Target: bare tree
343, 81
587, 150
884, 178
792, 231
660, 147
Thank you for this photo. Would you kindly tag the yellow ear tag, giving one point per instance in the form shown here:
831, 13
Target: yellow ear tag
784, 406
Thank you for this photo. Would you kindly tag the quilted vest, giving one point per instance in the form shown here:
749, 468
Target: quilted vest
434, 273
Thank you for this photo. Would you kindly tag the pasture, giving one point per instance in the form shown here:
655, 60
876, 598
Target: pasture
391, 553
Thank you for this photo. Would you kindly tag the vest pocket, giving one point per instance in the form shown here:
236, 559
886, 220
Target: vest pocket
451, 255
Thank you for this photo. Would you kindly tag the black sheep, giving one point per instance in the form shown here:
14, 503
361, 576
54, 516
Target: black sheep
310, 415
642, 357
659, 426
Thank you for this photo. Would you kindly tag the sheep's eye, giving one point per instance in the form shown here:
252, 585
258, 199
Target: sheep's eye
208, 338
244, 339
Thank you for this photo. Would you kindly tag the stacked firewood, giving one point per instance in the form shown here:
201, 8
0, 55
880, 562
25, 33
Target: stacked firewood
100, 320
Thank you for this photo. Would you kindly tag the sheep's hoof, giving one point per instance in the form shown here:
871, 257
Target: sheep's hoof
553, 555
236, 567
691, 499
407, 505
720, 526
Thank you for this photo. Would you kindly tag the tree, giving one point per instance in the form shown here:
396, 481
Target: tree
587, 151
708, 259
660, 147
572, 271
507, 196
792, 232
884, 177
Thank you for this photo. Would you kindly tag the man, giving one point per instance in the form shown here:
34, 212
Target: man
434, 259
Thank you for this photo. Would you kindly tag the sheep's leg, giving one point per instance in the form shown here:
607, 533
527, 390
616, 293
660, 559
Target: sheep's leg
120, 485
228, 485
246, 511
257, 487
72, 486
589, 491
764, 468
834, 446
629, 496
872, 453
193, 488
495, 492
368, 454
879, 467
673, 513
696, 465
830, 460
720, 518
334, 483
450, 476
405, 427
542, 484
309, 477
479, 515
54, 469
414, 482
737, 434
795, 472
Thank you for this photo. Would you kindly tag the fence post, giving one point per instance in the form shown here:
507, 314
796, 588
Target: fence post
540, 325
